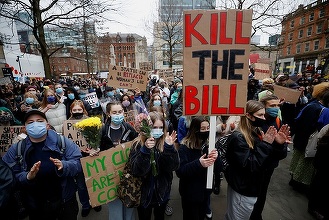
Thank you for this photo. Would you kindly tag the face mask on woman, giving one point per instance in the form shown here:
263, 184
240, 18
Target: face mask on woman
156, 102
117, 119
59, 90
70, 96
156, 132
110, 94
125, 103
36, 129
259, 122
77, 115
273, 112
29, 101
51, 99
203, 135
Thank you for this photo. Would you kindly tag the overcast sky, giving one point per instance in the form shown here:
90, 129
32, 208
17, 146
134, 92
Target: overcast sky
136, 16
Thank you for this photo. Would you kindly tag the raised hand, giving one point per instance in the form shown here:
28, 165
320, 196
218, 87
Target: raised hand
150, 143
270, 134
34, 170
170, 139
58, 163
283, 135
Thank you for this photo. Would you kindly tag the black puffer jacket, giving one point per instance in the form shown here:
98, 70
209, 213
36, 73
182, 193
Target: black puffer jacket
166, 162
246, 166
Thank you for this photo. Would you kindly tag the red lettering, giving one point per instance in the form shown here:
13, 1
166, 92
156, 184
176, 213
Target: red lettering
190, 99
232, 105
222, 38
205, 99
238, 30
215, 109
213, 28
189, 30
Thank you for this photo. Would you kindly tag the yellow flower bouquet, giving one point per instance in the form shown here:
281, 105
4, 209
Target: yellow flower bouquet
91, 130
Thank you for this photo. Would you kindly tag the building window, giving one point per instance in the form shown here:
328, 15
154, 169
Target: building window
319, 28
298, 48
300, 33
288, 50
292, 23
307, 46
290, 36
309, 31
326, 44
311, 16
302, 20
321, 13
316, 44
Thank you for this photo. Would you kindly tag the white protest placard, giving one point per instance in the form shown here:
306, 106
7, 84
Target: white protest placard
91, 98
74, 134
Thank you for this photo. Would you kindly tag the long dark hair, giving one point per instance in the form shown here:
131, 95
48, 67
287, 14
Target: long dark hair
192, 140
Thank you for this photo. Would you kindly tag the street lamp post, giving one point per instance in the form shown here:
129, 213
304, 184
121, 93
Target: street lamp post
19, 64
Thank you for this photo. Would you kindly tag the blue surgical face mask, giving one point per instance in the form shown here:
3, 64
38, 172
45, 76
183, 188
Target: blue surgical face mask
157, 132
179, 89
76, 88
29, 101
110, 94
117, 119
71, 96
273, 112
36, 129
118, 91
59, 90
156, 102
51, 99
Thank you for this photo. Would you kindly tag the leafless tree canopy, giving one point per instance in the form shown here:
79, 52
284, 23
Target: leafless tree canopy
41, 14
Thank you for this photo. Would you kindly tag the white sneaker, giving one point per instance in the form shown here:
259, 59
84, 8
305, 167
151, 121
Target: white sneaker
288, 149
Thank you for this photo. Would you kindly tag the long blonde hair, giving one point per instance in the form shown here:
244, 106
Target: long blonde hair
245, 126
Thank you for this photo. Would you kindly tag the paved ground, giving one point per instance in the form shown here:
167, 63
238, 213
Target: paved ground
283, 203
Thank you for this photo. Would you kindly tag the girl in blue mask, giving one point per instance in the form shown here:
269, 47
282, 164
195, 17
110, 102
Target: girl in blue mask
30, 101
114, 132
73, 95
166, 161
55, 111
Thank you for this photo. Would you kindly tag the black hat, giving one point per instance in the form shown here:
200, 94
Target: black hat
34, 112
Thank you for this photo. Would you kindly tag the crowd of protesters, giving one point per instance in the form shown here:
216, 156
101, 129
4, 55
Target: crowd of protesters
262, 135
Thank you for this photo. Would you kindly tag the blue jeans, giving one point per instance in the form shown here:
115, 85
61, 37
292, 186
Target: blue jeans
82, 190
117, 211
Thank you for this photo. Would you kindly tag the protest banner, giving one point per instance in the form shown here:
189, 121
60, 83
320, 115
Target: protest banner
91, 98
8, 136
102, 173
127, 78
262, 71
289, 95
216, 66
74, 134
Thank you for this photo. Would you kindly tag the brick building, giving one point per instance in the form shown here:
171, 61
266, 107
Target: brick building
304, 38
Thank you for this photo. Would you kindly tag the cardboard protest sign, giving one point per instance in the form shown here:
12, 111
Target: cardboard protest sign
127, 78
289, 95
8, 136
102, 173
130, 117
74, 134
262, 70
91, 98
216, 61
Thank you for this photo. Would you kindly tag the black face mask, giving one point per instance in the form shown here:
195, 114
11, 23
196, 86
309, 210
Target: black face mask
259, 122
77, 115
203, 135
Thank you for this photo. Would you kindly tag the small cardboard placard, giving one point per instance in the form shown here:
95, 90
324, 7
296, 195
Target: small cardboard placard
289, 95
8, 136
127, 78
92, 99
102, 173
262, 70
74, 134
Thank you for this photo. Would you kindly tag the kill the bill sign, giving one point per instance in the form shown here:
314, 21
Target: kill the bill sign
216, 53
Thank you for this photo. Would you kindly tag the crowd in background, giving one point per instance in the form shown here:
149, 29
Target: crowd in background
257, 140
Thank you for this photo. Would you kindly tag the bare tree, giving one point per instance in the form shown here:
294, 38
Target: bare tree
267, 15
48, 13
167, 31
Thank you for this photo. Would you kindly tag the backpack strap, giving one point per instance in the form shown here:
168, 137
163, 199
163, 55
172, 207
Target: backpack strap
61, 144
19, 157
